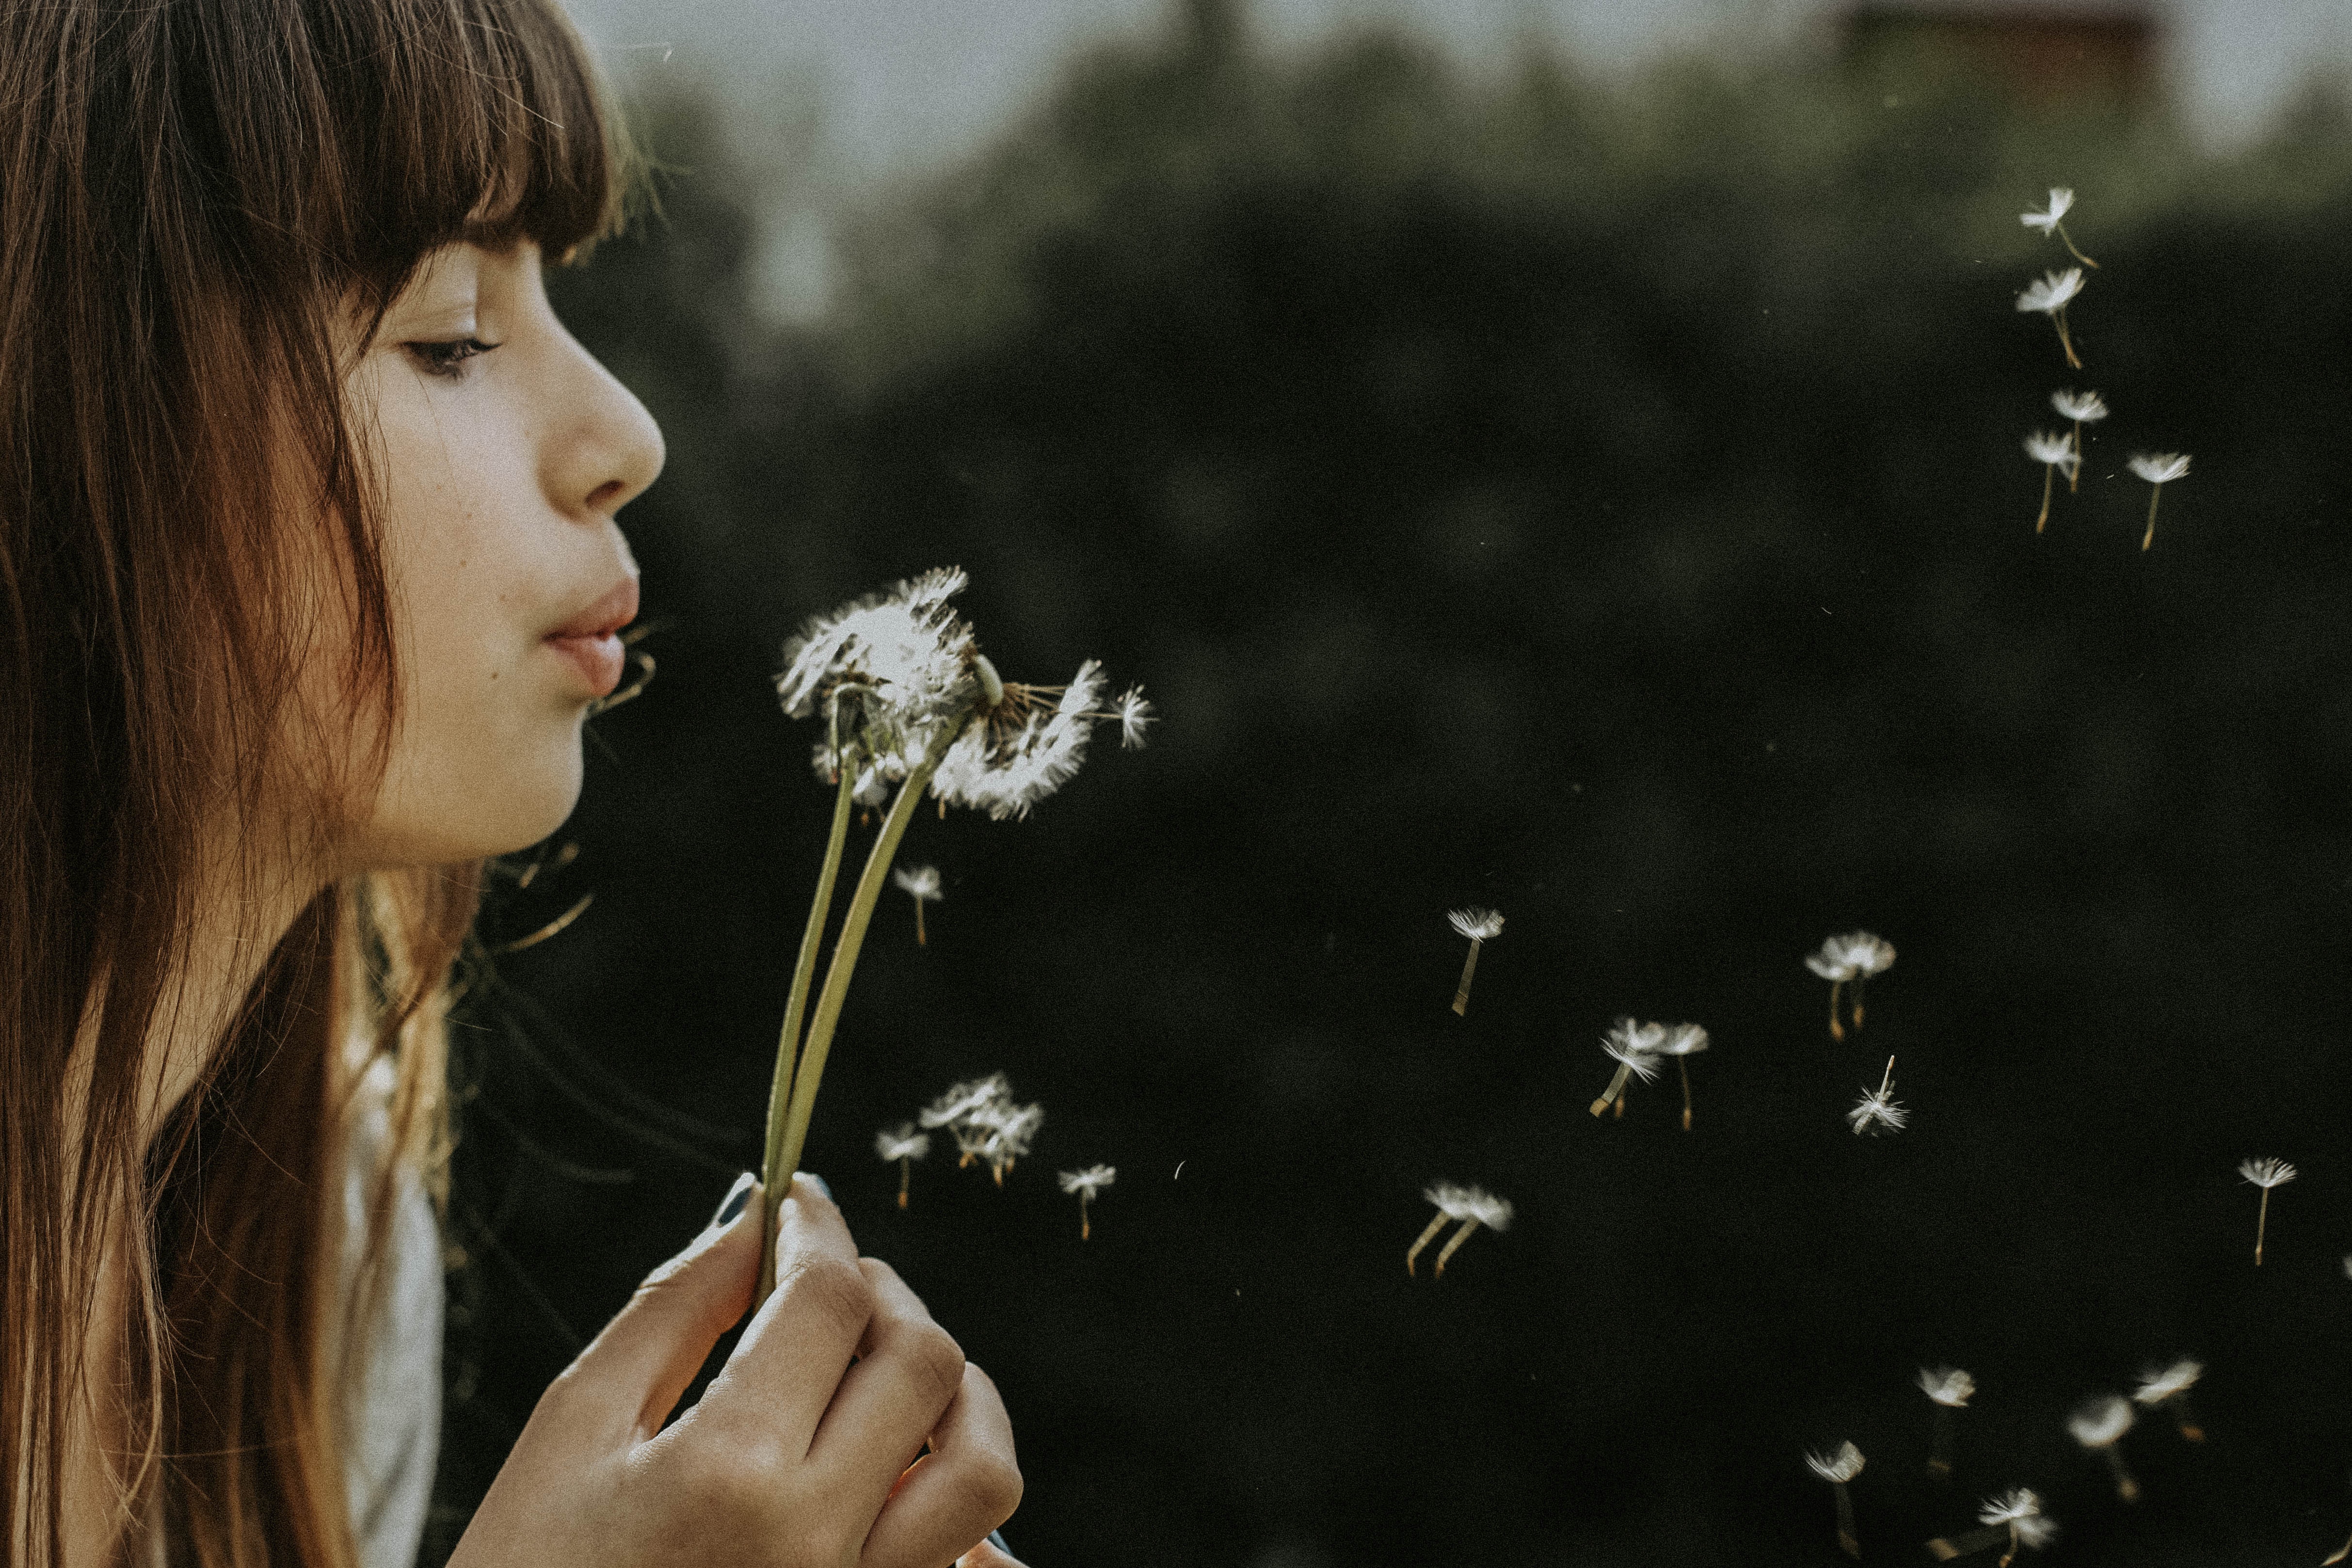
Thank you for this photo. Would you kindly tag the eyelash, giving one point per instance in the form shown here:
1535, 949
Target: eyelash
448, 358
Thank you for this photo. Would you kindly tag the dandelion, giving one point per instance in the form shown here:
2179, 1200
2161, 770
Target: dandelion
1951, 1389
2265, 1174
2160, 469
1878, 1110
2053, 453
1134, 715
1855, 957
1480, 926
920, 883
1838, 1468
1683, 1042
2099, 1424
1087, 1184
2048, 295
2082, 408
1635, 1048
1006, 1130
2061, 201
905, 1145
1472, 1206
2015, 1517
959, 1103
2168, 1388
907, 700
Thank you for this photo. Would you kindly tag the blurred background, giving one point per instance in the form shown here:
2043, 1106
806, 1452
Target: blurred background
1563, 456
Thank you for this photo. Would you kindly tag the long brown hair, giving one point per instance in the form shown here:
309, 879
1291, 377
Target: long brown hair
200, 202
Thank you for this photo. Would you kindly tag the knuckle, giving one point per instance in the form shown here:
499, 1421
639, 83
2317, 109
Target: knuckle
837, 1291
988, 1484
935, 1360
735, 1481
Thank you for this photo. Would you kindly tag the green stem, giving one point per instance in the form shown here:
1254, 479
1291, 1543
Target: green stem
809, 1072
779, 1091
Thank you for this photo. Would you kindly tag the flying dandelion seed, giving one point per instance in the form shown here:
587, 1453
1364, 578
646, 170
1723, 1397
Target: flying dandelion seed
2168, 1388
2160, 469
905, 1145
1683, 1042
1853, 957
1878, 1110
1087, 1184
2014, 1517
1135, 716
958, 1104
1838, 1468
1472, 1206
1008, 1131
2100, 1424
920, 883
2053, 453
987, 1125
2265, 1174
1480, 926
2061, 201
2082, 408
1951, 1389
2048, 295
1635, 1048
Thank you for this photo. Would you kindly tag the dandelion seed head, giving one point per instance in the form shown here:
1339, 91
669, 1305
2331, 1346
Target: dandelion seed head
1840, 1467
2061, 199
2044, 447
2051, 291
2160, 468
2035, 1530
918, 881
1637, 1046
2266, 1172
2100, 1422
1683, 1040
2084, 407
2157, 1384
963, 1099
1478, 924
1877, 1112
891, 665
1135, 716
1947, 1385
1488, 1210
2017, 1503
903, 1143
1451, 1198
1090, 1181
1855, 955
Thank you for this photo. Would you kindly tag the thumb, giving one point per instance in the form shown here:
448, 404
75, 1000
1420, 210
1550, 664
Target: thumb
989, 1553
636, 1369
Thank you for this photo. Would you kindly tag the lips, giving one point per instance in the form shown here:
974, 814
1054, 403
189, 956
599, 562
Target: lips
590, 640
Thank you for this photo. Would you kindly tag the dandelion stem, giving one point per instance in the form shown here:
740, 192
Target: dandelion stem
2049, 471
2185, 1420
2125, 1487
919, 941
1616, 1088
1846, 1537
1427, 1237
1939, 1451
1837, 1030
2155, 493
1859, 982
906, 1175
2261, 1221
774, 1173
809, 1072
1469, 968
2065, 339
1086, 1225
1682, 1064
2074, 474
2077, 255
1453, 1245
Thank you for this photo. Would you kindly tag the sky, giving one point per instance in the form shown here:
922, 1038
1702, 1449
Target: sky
846, 93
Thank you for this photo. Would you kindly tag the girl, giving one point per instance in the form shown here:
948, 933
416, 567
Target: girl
309, 574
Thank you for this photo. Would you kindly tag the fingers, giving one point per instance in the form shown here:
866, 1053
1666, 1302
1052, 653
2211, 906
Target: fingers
633, 1373
907, 1373
965, 1487
987, 1555
783, 1374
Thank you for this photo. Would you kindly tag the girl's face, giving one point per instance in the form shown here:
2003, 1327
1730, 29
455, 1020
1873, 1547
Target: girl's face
505, 451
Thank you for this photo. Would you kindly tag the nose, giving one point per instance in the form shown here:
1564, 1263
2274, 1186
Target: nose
606, 449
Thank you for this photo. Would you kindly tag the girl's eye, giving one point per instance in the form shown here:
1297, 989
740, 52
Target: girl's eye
447, 358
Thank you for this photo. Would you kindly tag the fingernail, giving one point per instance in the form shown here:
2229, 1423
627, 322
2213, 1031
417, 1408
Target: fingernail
817, 1181
737, 1196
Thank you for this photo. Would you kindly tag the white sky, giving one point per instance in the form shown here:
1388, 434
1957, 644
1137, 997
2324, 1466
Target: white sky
845, 90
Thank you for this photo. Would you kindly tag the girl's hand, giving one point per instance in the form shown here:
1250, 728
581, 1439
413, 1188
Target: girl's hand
802, 1451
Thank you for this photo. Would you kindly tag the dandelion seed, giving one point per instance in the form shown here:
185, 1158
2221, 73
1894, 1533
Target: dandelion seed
2160, 469
1951, 1389
2015, 1517
2061, 201
1008, 1131
920, 883
1135, 715
2265, 1174
1635, 1048
2082, 408
2048, 295
1855, 957
2168, 1388
1838, 1468
1683, 1042
905, 1145
2053, 453
1878, 1110
1087, 1184
1472, 1206
2100, 1424
1480, 926
963, 1099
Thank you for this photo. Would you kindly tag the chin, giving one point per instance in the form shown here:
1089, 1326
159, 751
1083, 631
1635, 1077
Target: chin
474, 813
